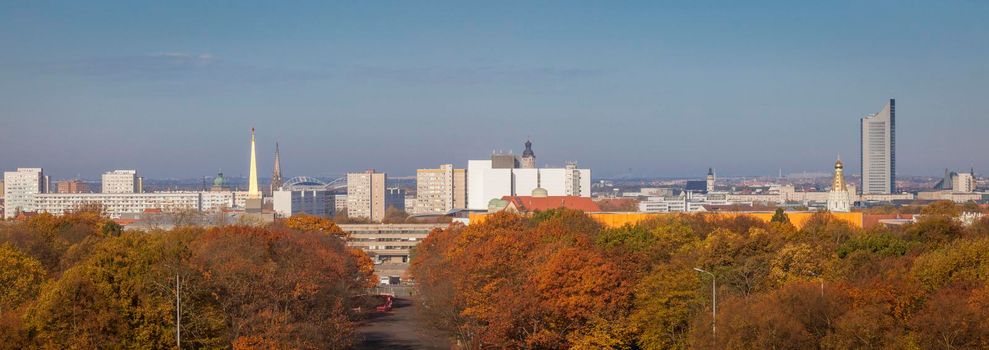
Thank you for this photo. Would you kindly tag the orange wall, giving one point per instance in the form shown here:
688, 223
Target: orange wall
799, 219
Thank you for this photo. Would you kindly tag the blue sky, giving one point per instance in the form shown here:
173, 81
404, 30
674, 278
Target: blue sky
647, 88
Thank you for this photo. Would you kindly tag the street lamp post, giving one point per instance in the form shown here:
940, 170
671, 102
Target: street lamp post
714, 302
812, 273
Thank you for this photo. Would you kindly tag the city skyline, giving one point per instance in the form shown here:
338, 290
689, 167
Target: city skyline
663, 90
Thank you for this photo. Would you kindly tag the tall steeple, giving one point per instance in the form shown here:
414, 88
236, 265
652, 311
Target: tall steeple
276, 176
252, 186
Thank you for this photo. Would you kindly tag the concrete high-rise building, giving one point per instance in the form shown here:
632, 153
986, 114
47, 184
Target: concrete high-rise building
276, 176
878, 151
963, 182
72, 186
366, 195
528, 156
121, 181
839, 199
19, 190
440, 190
254, 200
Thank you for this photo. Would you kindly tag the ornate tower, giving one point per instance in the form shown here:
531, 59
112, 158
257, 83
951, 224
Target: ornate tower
710, 180
528, 157
838, 199
276, 176
253, 204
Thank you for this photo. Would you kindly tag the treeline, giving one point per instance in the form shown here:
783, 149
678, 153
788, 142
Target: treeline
80, 281
559, 279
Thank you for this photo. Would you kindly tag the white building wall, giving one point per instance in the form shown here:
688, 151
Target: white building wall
526, 180
217, 200
116, 204
120, 181
585, 182
497, 184
19, 189
475, 184
485, 184
282, 203
555, 181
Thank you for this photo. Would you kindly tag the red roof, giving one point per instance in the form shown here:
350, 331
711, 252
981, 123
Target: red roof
125, 222
529, 203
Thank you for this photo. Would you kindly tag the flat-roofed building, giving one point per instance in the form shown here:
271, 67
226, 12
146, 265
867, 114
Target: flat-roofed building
19, 189
390, 245
121, 181
440, 190
366, 195
72, 186
485, 182
116, 205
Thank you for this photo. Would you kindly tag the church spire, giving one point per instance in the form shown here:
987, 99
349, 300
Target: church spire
839, 177
252, 186
839, 200
276, 176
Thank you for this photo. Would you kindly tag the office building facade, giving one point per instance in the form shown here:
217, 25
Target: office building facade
878, 151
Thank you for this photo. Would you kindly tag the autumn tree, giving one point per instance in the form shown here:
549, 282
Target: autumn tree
394, 216
21, 277
313, 223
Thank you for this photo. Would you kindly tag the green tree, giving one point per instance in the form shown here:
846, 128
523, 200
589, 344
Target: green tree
780, 217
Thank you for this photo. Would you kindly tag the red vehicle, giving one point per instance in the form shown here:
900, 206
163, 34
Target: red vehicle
386, 306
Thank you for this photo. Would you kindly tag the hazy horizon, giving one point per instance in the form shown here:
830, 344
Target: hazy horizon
173, 89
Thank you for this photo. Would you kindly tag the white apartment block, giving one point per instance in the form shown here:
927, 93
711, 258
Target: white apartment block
19, 190
963, 182
440, 190
121, 181
117, 204
485, 183
366, 195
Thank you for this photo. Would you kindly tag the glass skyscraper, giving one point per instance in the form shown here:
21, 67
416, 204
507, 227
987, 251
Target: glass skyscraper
878, 146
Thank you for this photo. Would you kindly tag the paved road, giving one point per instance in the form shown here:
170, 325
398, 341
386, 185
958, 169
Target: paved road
398, 330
